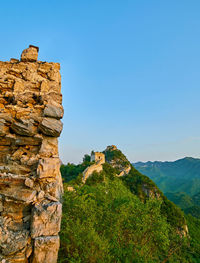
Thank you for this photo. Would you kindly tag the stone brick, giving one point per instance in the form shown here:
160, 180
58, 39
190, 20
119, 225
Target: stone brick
30, 54
48, 167
46, 249
51, 127
53, 110
46, 219
25, 127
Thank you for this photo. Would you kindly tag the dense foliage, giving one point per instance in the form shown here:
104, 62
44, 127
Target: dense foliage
136, 182
71, 171
105, 222
181, 199
190, 205
193, 210
112, 219
192, 253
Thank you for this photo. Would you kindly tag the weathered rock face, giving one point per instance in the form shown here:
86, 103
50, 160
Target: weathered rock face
30, 180
118, 160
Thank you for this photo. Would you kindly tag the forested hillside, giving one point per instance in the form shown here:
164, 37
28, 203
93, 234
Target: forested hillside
189, 204
122, 219
180, 176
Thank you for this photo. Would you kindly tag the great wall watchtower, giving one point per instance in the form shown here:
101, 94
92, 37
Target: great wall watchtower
30, 180
97, 156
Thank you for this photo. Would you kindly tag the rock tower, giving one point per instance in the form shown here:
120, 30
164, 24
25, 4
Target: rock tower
30, 180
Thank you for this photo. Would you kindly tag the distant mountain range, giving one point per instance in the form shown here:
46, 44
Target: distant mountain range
179, 180
179, 176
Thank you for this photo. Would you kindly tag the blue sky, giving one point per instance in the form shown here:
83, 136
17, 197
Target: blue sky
130, 71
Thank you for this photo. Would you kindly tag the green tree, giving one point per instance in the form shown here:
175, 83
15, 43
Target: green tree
107, 223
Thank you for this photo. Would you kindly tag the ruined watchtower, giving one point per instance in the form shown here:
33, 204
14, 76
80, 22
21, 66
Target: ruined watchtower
30, 180
97, 156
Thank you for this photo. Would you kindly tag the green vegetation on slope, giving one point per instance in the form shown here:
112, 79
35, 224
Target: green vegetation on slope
196, 199
190, 205
180, 176
103, 221
143, 187
192, 253
71, 171
180, 180
181, 199
193, 210
121, 219
106, 223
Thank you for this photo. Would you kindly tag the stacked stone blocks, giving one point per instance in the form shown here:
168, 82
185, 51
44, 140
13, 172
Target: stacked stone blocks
30, 180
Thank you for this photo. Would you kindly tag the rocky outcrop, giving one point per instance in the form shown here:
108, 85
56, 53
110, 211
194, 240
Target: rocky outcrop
122, 164
125, 171
30, 180
118, 160
151, 192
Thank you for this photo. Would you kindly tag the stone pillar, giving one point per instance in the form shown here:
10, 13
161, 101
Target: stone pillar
30, 180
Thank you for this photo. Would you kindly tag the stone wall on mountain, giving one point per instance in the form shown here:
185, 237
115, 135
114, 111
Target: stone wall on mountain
30, 180
99, 159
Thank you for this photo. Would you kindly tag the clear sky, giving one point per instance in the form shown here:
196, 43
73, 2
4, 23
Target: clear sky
130, 71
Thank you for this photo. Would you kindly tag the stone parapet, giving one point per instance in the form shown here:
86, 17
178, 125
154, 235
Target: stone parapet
30, 179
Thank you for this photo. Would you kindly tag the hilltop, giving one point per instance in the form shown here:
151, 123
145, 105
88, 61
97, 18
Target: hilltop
121, 215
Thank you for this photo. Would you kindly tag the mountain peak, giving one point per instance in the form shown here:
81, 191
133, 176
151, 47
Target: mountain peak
111, 148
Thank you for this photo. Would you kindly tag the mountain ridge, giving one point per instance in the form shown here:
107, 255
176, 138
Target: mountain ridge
166, 162
182, 175
122, 219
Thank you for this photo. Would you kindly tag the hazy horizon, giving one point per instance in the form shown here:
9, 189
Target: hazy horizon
132, 161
